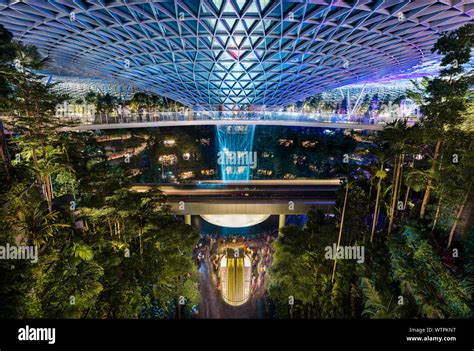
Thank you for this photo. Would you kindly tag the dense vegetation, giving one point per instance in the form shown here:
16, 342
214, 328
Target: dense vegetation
407, 204
108, 252
104, 251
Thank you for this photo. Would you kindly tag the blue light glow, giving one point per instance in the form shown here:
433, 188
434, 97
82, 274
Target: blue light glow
235, 138
211, 53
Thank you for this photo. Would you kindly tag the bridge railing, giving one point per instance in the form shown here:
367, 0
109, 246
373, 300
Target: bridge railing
158, 116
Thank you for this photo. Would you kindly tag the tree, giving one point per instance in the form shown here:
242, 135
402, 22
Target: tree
341, 227
301, 270
28, 215
7, 67
421, 275
445, 97
32, 106
158, 268
380, 174
396, 135
114, 252
454, 180
72, 287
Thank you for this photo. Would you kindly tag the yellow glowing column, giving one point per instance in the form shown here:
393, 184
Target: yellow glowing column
281, 222
187, 219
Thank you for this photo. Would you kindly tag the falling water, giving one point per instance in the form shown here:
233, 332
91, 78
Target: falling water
233, 139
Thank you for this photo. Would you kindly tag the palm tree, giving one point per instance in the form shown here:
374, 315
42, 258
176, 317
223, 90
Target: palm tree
341, 228
396, 134
379, 174
45, 167
90, 97
28, 57
458, 216
32, 223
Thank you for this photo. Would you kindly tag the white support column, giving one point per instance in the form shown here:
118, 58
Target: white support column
349, 111
358, 101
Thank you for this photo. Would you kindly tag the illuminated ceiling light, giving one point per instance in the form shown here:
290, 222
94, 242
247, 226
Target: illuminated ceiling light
235, 221
187, 50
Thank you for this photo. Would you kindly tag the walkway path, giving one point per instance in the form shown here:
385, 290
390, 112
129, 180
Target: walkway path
173, 119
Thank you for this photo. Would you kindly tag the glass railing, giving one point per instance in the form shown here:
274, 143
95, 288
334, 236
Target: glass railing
155, 116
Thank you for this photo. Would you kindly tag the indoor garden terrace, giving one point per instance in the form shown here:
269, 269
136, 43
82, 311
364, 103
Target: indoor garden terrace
244, 159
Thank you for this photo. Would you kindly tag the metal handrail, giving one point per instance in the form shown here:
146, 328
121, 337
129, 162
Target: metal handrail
158, 116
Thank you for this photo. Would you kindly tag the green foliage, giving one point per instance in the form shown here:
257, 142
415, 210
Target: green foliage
421, 274
146, 100
143, 247
121, 254
99, 258
72, 286
445, 96
377, 306
301, 270
104, 103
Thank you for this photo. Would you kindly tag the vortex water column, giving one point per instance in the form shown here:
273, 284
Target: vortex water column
235, 140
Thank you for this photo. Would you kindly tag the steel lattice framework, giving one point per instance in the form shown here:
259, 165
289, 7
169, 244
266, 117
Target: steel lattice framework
259, 52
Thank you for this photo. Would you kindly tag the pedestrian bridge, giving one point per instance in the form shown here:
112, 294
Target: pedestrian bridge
246, 203
200, 118
252, 197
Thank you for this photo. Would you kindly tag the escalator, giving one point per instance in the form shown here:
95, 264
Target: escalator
235, 278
